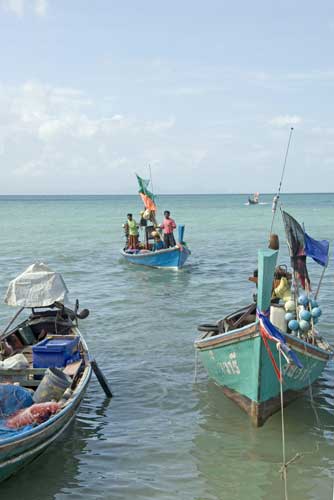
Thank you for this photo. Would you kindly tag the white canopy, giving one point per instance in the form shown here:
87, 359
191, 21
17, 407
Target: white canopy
37, 286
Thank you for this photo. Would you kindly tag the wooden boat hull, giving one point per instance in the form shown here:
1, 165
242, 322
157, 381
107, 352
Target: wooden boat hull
17, 451
173, 258
239, 363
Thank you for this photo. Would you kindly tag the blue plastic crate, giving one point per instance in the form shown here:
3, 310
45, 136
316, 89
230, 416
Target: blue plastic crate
55, 353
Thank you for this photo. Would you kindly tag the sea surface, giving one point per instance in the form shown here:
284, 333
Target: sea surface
166, 435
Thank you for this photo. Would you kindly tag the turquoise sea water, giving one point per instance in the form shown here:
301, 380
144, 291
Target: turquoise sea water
164, 436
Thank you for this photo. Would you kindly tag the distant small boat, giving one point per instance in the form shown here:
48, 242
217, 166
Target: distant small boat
254, 200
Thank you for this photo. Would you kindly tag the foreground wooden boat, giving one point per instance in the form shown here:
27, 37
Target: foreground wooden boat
235, 355
19, 446
171, 258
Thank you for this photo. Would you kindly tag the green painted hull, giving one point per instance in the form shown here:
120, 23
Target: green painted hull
239, 362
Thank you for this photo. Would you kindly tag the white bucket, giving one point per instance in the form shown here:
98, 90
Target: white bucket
277, 317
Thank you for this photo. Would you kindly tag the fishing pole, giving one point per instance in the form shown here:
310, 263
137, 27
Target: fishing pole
276, 197
149, 168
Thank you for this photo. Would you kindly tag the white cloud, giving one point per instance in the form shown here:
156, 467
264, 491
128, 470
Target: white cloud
19, 7
45, 129
40, 7
285, 120
14, 6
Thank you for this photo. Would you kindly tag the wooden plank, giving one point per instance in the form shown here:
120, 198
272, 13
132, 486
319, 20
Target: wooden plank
266, 268
22, 373
72, 369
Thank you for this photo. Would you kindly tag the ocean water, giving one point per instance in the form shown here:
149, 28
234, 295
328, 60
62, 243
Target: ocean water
164, 435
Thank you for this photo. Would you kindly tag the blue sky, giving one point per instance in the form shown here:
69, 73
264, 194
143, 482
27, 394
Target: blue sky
204, 92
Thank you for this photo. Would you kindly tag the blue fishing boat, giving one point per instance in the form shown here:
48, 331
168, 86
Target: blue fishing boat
251, 356
169, 258
153, 252
42, 356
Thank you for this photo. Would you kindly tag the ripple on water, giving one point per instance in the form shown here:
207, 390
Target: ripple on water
163, 436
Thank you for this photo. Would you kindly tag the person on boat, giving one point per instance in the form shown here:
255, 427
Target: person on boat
168, 226
126, 233
143, 221
133, 232
158, 244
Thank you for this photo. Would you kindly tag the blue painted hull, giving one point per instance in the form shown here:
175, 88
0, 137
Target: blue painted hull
173, 258
17, 451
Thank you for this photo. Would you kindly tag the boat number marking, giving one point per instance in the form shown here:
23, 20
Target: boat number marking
230, 367
292, 371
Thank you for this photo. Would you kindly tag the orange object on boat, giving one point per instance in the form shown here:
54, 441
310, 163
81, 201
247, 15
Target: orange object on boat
35, 414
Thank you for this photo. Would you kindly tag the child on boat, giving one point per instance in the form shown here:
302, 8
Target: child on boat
158, 244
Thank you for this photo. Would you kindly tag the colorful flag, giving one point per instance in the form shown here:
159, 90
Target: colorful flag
145, 194
317, 250
296, 242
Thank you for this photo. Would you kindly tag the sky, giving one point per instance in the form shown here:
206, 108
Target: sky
205, 92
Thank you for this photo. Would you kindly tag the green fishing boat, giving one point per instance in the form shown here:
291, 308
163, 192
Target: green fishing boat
249, 357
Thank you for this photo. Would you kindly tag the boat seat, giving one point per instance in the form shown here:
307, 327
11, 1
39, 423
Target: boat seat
25, 377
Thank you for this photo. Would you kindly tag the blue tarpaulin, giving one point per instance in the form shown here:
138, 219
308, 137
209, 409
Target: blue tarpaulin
317, 249
13, 398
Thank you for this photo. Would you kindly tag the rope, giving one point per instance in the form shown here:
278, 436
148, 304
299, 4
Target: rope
284, 464
196, 363
276, 197
311, 392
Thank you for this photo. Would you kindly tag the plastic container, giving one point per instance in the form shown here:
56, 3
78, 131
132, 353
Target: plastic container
26, 335
55, 352
52, 386
277, 317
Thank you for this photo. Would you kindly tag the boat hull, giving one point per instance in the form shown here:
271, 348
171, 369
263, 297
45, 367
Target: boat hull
174, 258
18, 451
239, 362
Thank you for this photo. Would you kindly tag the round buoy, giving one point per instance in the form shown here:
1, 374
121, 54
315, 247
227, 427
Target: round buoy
290, 316
313, 303
290, 306
303, 300
304, 325
316, 312
293, 325
305, 315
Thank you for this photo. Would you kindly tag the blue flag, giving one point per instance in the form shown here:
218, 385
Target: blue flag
317, 249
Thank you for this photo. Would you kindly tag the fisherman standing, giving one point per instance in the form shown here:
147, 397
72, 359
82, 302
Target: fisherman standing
133, 232
168, 226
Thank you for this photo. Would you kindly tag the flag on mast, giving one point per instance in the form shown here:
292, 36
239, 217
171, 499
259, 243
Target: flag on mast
301, 245
145, 194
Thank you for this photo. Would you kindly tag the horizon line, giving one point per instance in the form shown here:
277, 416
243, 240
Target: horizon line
166, 194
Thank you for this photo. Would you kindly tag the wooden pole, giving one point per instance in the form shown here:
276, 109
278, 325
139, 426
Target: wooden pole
320, 281
101, 378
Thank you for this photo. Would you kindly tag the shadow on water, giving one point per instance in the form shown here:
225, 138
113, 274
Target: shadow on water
250, 459
57, 470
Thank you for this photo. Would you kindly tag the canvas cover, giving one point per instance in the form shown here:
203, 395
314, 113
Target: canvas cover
37, 286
